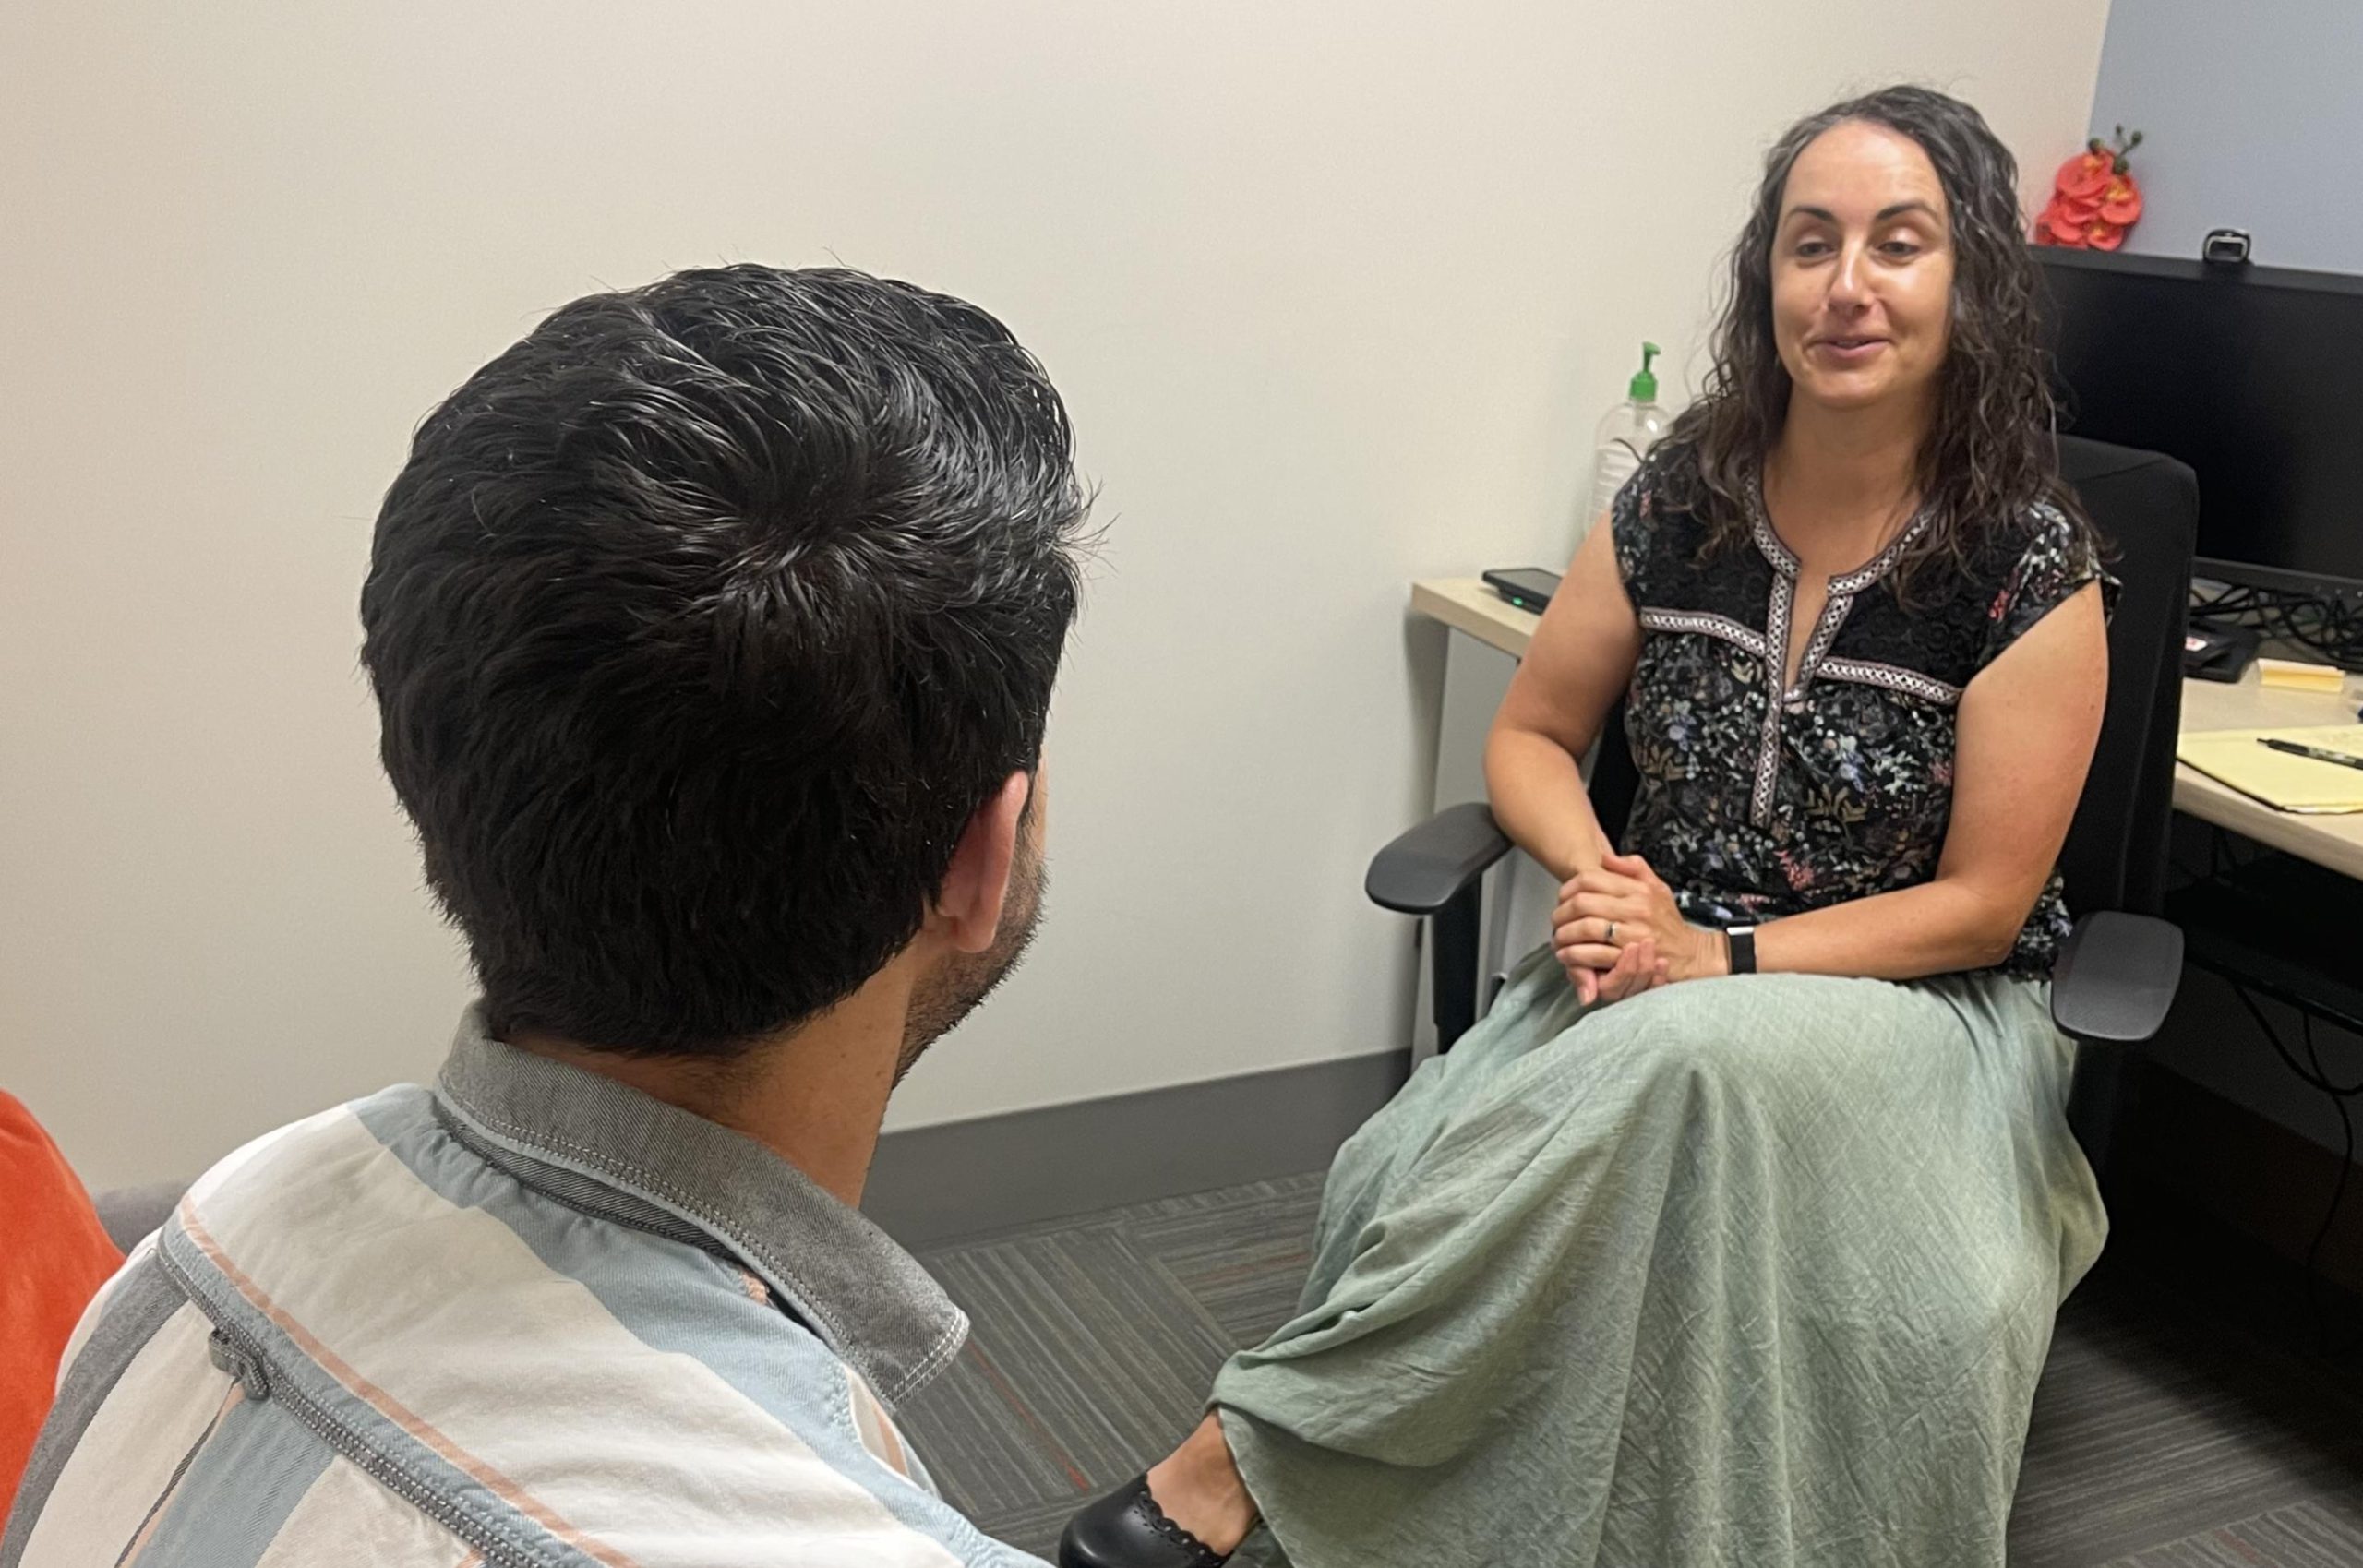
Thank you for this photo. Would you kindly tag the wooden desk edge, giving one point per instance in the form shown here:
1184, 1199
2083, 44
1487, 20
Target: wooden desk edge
2335, 842
1465, 604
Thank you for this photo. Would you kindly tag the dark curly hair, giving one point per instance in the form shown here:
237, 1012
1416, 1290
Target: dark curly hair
702, 621
1989, 459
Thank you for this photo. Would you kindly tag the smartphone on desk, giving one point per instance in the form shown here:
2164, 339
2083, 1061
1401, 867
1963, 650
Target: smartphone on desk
1528, 588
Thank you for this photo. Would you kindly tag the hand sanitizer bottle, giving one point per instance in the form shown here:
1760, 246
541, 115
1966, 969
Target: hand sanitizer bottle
1625, 436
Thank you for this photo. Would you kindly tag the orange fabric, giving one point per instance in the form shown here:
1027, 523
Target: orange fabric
54, 1257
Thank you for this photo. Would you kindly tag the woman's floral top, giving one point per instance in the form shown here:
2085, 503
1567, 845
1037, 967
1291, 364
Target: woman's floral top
1757, 802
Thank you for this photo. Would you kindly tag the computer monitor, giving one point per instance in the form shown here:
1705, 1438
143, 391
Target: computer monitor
2253, 376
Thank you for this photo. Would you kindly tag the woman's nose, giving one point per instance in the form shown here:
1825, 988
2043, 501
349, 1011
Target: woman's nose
1849, 287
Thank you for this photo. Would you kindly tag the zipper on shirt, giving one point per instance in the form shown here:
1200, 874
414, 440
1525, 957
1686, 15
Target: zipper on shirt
232, 1350
227, 1357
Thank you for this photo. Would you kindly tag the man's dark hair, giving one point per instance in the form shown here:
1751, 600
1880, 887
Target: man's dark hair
701, 623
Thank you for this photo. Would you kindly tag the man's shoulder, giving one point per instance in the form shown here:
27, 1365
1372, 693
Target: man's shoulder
154, 1451
498, 1355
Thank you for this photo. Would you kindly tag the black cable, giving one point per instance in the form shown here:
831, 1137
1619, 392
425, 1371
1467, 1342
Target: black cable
2223, 850
2306, 1020
2337, 1198
2314, 1079
2326, 624
2318, 1077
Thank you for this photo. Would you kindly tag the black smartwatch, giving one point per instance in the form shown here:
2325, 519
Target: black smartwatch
1742, 940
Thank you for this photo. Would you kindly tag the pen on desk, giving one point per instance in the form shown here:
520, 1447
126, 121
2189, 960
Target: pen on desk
2344, 758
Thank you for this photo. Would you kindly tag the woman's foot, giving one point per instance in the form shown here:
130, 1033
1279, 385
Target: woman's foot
1199, 1488
1190, 1511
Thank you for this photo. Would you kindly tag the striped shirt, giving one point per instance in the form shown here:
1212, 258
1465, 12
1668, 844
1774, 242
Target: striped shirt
528, 1317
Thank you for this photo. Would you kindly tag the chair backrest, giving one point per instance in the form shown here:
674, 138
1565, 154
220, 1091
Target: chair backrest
1614, 779
2146, 507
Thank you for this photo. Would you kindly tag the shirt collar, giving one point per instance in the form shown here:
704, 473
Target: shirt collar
1784, 560
868, 1298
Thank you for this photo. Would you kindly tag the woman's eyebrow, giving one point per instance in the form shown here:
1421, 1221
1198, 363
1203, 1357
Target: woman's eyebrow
1896, 210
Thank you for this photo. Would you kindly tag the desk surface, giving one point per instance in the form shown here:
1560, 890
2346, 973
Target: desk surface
1465, 604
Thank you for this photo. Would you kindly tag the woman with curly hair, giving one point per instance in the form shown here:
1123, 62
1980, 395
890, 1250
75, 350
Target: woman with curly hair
1735, 1232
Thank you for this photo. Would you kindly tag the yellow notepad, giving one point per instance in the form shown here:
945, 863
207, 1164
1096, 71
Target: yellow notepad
2233, 758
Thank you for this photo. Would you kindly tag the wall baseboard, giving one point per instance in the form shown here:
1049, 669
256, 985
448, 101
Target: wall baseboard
962, 1178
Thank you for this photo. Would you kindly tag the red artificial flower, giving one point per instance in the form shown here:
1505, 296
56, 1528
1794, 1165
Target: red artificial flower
2094, 199
2085, 175
2121, 202
2059, 226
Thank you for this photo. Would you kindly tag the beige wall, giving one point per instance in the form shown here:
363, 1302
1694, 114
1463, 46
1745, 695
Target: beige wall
1335, 293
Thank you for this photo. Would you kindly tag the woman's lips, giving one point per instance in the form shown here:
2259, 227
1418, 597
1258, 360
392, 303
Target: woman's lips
1846, 350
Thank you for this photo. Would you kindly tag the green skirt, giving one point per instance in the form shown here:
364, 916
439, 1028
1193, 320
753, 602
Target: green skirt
1754, 1272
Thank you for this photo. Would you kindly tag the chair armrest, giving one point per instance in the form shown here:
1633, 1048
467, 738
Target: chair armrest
2116, 977
1427, 866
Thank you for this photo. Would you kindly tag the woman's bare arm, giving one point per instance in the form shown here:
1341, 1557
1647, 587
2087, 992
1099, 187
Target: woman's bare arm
1578, 665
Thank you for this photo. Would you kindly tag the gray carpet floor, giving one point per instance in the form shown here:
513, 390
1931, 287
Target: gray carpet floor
2165, 1436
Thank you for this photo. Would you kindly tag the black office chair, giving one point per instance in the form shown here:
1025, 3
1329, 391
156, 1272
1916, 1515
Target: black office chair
2118, 973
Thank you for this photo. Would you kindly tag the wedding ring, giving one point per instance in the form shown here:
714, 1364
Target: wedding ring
1612, 933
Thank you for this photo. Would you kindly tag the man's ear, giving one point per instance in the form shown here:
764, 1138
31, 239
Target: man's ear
968, 906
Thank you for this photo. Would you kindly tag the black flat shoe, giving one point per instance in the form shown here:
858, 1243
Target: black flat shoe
1127, 1529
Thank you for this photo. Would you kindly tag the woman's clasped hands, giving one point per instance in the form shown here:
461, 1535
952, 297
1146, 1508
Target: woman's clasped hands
1618, 933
